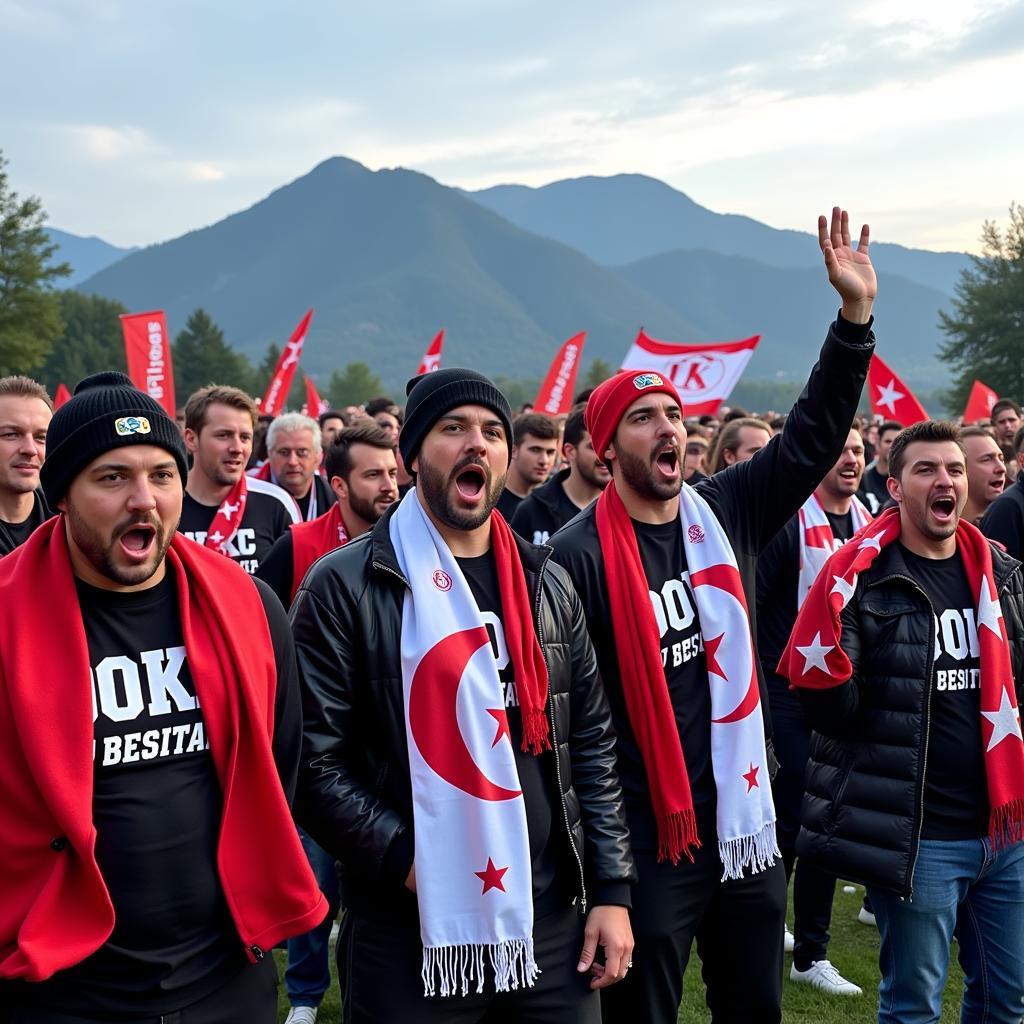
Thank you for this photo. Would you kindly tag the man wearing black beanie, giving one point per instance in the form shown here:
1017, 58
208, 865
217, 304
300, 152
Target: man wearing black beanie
462, 893
149, 857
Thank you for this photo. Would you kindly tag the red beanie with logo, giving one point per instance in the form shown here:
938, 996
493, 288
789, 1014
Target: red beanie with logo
613, 397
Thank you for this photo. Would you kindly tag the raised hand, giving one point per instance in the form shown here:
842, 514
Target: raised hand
849, 269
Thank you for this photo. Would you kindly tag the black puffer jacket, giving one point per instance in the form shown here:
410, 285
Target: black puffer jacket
354, 794
862, 811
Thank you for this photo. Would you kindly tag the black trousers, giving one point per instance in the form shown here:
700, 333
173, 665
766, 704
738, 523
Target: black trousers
738, 926
813, 889
379, 968
250, 996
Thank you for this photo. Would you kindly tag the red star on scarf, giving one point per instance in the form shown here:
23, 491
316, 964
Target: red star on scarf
751, 777
499, 715
711, 654
491, 876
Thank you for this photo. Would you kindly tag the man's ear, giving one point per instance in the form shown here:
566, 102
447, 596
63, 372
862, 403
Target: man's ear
191, 439
893, 486
340, 487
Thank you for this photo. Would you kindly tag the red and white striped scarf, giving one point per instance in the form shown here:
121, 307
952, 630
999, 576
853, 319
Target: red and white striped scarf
815, 660
817, 541
232, 509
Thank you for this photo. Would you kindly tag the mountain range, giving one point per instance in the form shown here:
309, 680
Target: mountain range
387, 257
86, 256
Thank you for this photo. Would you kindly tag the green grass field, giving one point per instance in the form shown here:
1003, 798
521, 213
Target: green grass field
854, 951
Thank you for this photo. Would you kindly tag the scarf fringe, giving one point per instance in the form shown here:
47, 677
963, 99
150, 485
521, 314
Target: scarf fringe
677, 833
1006, 823
757, 852
536, 737
451, 968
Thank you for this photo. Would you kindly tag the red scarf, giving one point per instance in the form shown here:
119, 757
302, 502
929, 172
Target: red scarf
311, 540
232, 509
815, 660
643, 679
55, 909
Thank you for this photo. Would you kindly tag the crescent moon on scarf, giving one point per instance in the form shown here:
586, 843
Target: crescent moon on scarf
726, 579
433, 717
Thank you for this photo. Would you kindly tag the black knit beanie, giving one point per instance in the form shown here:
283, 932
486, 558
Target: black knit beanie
106, 411
431, 395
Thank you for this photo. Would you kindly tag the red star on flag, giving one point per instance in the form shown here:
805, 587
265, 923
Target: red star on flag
491, 876
751, 777
500, 716
711, 654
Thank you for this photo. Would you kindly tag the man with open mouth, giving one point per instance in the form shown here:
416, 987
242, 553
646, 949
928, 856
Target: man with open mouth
908, 655
666, 574
458, 758
149, 742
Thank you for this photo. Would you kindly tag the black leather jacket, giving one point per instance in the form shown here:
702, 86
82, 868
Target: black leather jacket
354, 794
862, 810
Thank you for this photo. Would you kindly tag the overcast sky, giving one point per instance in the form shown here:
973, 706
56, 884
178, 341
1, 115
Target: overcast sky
137, 121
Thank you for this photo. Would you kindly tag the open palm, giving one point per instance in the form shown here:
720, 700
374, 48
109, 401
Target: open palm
849, 269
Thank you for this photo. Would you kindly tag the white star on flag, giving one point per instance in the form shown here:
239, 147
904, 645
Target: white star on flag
989, 612
844, 589
870, 542
814, 654
889, 396
227, 510
1005, 721
294, 350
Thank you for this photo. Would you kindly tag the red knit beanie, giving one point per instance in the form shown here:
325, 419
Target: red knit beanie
613, 397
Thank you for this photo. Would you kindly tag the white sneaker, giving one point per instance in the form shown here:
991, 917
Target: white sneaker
787, 942
822, 975
307, 1015
866, 917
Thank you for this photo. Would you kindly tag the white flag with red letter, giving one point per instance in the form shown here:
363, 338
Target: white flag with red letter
555, 395
704, 374
431, 360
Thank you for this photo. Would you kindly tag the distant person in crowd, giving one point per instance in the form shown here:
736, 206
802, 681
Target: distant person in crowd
908, 655
534, 450
874, 488
293, 456
238, 515
484, 854
666, 575
986, 472
331, 424
709, 426
25, 411
869, 431
258, 455
1006, 420
694, 459
179, 419
362, 473
775, 424
734, 412
785, 572
739, 440
149, 862
361, 469
1004, 520
386, 414
549, 507
1010, 461
582, 397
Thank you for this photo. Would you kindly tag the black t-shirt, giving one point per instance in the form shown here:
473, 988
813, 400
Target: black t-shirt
544, 511
778, 576
874, 491
13, 535
507, 504
156, 809
269, 511
955, 792
686, 673
536, 772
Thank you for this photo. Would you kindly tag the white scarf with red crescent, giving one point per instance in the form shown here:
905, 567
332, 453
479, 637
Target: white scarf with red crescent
746, 812
474, 882
817, 541
228, 518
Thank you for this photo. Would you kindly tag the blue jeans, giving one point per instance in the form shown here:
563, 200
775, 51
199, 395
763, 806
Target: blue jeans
966, 888
308, 975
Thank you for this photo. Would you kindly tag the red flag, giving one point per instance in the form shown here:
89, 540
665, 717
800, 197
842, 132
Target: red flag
281, 383
979, 403
555, 395
704, 375
61, 395
315, 405
890, 397
149, 356
432, 357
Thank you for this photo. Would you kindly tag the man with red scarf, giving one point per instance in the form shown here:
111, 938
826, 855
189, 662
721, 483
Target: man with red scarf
458, 755
908, 655
666, 574
149, 738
